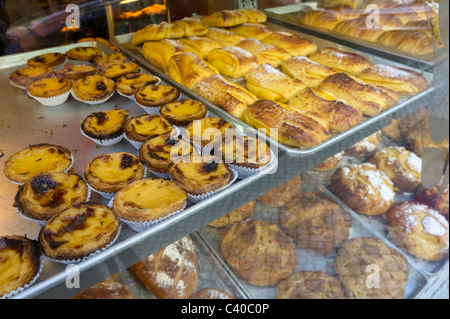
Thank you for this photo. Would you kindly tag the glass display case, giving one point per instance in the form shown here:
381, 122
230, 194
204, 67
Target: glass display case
357, 128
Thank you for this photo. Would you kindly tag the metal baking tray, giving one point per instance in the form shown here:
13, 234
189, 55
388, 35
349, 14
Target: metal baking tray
24, 122
320, 152
289, 17
306, 260
377, 223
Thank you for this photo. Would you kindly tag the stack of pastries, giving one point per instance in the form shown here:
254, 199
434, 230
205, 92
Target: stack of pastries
276, 80
411, 27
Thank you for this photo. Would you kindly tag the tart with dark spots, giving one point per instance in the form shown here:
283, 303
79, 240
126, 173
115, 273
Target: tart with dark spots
129, 84
159, 151
76, 72
37, 159
46, 195
115, 71
20, 262
156, 95
106, 60
94, 88
49, 87
141, 128
245, 151
49, 60
148, 200
83, 54
78, 232
198, 175
209, 131
27, 75
105, 125
108, 173
182, 113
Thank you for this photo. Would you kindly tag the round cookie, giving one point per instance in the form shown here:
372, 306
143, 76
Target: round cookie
281, 194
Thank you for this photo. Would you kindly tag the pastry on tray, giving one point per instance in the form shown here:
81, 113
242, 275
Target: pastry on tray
280, 195
342, 61
108, 290
94, 88
105, 126
157, 32
232, 61
435, 197
246, 152
265, 53
324, 19
27, 75
155, 96
200, 46
211, 293
235, 216
192, 27
49, 88
115, 71
83, 54
158, 53
329, 164
140, 128
224, 36
225, 19
130, 83
208, 131
309, 72
49, 60
366, 146
254, 15
76, 72
182, 113
106, 60
293, 44
252, 30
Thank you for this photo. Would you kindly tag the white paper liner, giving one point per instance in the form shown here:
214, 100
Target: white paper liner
245, 172
130, 97
92, 102
102, 194
108, 142
19, 290
198, 198
17, 85
76, 261
149, 110
136, 144
52, 101
141, 226
77, 62
43, 222
158, 174
204, 150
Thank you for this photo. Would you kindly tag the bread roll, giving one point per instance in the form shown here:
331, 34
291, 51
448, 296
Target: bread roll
188, 69
232, 61
252, 30
342, 61
172, 272
201, 46
367, 99
158, 53
324, 19
309, 72
333, 115
224, 37
225, 94
265, 53
267, 82
254, 15
292, 128
293, 44
225, 18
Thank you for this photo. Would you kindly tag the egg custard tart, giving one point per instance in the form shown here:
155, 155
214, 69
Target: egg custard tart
76, 72
27, 75
37, 159
108, 173
83, 54
143, 127
49, 87
182, 113
79, 232
159, 151
156, 95
46, 195
115, 71
198, 175
208, 131
129, 84
106, 60
148, 200
49, 60
20, 263
94, 88
245, 151
105, 125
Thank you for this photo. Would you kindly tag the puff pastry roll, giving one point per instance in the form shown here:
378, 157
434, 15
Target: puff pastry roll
355, 4
254, 15
309, 72
358, 28
229, 96
232, 61
187, 69
252, 30
265, 53
324, 19
344, 12
224, 37
200, 45
400, 80
192, 27
343, 61
367, 99
158, 53
291, 43
267, 82
155, 32
289, 126
225, 18
332, 114
411, 41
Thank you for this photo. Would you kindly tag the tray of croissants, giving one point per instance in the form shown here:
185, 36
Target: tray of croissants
304, 93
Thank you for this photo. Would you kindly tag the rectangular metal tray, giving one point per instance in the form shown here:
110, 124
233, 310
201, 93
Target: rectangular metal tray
377, 223
25, 122
305, 260
320, 152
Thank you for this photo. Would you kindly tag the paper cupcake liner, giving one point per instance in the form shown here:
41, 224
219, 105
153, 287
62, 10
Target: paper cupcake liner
136, 144
92, 102
204, 150
108, 142
102, 194
141, 226
52, 101
17, 85
198, 198
26, 286
77, 62
148, 109
76, 261
245, 172
43, 222
157, 174
59, 66
130, 97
